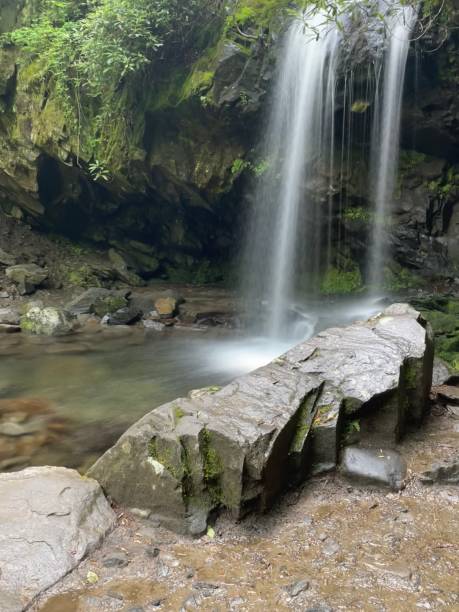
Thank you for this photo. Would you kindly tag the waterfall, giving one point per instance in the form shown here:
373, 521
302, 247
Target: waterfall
297, 229
286, 233
386, 138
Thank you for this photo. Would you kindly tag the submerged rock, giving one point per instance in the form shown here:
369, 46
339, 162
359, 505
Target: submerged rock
239, 446
50, 518
379, 466
47, 321
27, 277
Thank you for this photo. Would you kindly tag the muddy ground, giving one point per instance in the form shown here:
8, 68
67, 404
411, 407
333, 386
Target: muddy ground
330, 545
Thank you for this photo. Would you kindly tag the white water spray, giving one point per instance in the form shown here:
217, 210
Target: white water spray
286, 232
386, 138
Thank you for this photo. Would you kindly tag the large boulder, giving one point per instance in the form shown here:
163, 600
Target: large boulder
27, 277
50, 518
49, 321
237, 447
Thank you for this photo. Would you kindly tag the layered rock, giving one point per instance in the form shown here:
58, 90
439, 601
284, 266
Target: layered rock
50, 518
238, 447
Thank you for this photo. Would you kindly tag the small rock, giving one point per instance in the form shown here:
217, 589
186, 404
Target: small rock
27, 277
115, 595
448, 393
446, 472
193, 602
124, 316
4, 295
166, 307
294, 589
118, 559
9, 316
84, 303
331, 548
153, 325
14, 430
7, 259
386, 467
152, 552
208, 586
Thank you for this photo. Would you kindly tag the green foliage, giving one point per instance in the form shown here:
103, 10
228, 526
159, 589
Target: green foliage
410, 159
92, 55
360, 106
398, 279
357, 213
341, 281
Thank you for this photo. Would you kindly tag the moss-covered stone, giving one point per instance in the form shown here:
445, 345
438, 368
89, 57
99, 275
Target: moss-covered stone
341, 281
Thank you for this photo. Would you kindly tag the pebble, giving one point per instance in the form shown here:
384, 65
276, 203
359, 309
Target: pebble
152, 552
116, 560
294, 589
331, 548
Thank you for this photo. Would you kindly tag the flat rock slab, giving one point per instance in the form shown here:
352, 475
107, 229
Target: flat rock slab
379, 466
238, 447
50, 518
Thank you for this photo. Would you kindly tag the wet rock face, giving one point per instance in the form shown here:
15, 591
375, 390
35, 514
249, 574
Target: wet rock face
238, 447
50, 518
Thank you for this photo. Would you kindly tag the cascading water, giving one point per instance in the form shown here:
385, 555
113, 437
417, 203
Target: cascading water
286, 229
297, 230
386, 137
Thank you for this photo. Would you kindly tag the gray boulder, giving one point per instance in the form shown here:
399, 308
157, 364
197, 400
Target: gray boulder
50, 518
238, 447
49, 321
27, 277
384, 467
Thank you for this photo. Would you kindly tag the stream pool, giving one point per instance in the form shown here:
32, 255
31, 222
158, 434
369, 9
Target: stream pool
63, 401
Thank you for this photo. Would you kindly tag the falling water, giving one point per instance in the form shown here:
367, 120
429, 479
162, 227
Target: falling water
386, 137
285, 236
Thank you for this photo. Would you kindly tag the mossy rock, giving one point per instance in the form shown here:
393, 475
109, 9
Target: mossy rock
341, 282
109, 305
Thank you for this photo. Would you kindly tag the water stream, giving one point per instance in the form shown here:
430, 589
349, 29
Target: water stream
386, 139
286, 229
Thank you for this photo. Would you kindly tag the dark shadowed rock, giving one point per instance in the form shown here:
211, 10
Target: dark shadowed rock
238, 447
386, 467
50, 518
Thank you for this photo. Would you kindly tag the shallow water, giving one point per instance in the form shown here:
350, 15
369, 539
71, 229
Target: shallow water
97, 384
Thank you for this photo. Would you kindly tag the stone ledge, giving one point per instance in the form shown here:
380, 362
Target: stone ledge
238, 447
